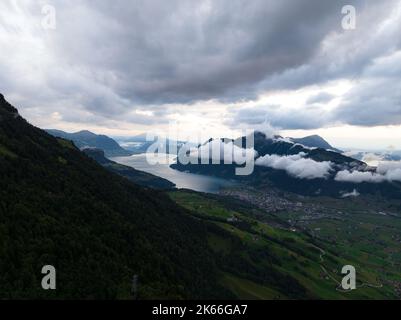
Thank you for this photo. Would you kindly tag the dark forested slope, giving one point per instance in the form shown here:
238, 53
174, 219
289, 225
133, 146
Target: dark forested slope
59, 207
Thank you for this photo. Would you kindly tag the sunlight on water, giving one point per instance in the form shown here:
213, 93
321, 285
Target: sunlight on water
181, 179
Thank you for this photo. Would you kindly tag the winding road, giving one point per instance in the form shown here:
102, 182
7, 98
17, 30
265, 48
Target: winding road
339, 287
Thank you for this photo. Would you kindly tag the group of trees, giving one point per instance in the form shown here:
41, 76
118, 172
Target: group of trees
59, 207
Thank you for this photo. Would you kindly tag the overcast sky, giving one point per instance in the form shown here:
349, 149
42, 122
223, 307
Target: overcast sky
124, 67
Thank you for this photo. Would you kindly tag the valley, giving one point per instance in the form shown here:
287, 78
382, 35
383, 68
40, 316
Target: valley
346, 231
184, 156
295, 250
89, 216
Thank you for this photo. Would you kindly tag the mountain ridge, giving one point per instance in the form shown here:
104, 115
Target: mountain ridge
59, 207
85, 138
315, 141
266, 177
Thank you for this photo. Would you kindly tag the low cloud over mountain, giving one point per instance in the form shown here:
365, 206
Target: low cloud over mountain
297, 166
386, 171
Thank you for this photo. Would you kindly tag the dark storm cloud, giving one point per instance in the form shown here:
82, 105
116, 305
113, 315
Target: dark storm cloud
321, 97
181, 51
107, 58
279, 118
375, 102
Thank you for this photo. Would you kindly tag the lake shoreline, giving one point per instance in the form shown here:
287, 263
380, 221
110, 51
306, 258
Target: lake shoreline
159, 165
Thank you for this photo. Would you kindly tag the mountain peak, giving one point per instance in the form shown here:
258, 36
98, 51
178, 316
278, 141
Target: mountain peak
261, 134
315, 141
7, 108
86, 132
314, 136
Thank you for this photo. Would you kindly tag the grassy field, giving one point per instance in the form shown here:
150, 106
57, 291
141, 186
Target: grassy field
245, 244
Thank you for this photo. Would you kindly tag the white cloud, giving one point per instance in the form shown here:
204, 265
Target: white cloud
388, 166
297, 166
372, 159
386, 171
391, 169
354, 193
394, 175
359, 176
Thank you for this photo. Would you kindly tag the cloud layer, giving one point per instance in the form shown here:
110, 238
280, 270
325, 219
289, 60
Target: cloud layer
108, 61
354, 193
386, 171
296, 165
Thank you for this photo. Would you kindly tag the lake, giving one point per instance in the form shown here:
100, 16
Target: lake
185, 180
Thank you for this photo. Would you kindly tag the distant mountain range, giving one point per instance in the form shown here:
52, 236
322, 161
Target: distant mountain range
86, 139
284, 157
286, 146
127, 146
59, 207
140, 144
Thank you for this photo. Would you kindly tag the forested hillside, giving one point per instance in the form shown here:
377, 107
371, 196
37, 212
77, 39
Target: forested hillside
59, 207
